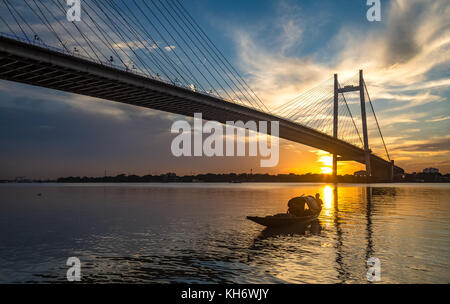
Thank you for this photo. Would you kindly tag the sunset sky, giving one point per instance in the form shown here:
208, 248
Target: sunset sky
281, 48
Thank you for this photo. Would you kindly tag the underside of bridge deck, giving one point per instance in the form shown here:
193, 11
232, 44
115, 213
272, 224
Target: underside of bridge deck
38, 66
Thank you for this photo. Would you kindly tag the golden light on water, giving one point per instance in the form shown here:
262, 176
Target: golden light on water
328, 197
328, 201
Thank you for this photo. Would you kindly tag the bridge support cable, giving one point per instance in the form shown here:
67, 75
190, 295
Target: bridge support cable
322, 117
172, 65
317, 118
124, 23
194, 66
50, 68
116, 31
315, 108
330, 114
88, 41
111, 31
310, 104
213, 55
182, 49
120, 39
347, 129
7, 25
209, 60
125, 38
305, 99
200, 61
205, 52
65, 28
14, 17
203, 55
49, 25
309, 108
348, 112
186, 73
376, 120
187, 78
216, 51
348, 133
320, 120
106, 39
103, 39
18, 24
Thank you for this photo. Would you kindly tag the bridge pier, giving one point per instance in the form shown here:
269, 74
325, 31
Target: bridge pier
382, 174
391, 177
386, 173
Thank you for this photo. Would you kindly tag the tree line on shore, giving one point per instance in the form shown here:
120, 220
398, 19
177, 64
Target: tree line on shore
235, 178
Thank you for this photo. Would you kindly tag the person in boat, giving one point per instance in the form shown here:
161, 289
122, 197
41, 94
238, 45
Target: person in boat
305, 205
319, 200
318, 204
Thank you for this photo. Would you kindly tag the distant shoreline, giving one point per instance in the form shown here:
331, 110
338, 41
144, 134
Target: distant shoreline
317, 182
238, 178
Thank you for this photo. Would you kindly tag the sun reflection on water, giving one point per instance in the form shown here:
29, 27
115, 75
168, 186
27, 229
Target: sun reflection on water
328, 196
327, 200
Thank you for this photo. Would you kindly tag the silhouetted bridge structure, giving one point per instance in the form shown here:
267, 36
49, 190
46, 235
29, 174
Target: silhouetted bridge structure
30, 61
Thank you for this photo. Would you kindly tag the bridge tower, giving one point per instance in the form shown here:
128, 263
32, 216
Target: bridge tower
351, 88
335, 121
364, 124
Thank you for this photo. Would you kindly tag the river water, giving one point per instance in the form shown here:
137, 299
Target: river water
198, 233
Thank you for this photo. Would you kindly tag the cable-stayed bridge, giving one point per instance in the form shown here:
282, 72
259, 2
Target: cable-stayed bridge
154, 54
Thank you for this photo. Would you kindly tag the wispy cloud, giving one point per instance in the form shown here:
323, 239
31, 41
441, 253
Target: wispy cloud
169, 48
436, 119
30, 98
403, 64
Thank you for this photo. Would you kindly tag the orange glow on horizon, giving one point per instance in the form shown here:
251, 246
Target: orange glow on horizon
326, 170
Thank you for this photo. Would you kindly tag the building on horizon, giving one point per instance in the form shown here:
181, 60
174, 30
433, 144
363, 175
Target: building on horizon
431, 170
361, 173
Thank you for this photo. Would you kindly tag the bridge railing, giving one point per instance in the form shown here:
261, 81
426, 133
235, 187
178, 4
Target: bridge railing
64, 51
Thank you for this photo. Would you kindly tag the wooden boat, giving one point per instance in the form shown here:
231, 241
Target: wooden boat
283, 219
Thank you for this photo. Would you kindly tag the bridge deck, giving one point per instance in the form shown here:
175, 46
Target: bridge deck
38, 66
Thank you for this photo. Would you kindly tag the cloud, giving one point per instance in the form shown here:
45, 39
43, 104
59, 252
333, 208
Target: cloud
433, 84
396, 58
406, 63
403, 59
411, 101
436, 119
440, 144
276, 77
24, 97
169, 48
404, 24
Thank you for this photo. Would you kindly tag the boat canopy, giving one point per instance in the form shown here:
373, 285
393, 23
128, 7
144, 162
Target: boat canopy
297, 205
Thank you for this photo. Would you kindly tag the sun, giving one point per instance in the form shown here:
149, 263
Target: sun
327, 162
326, 170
